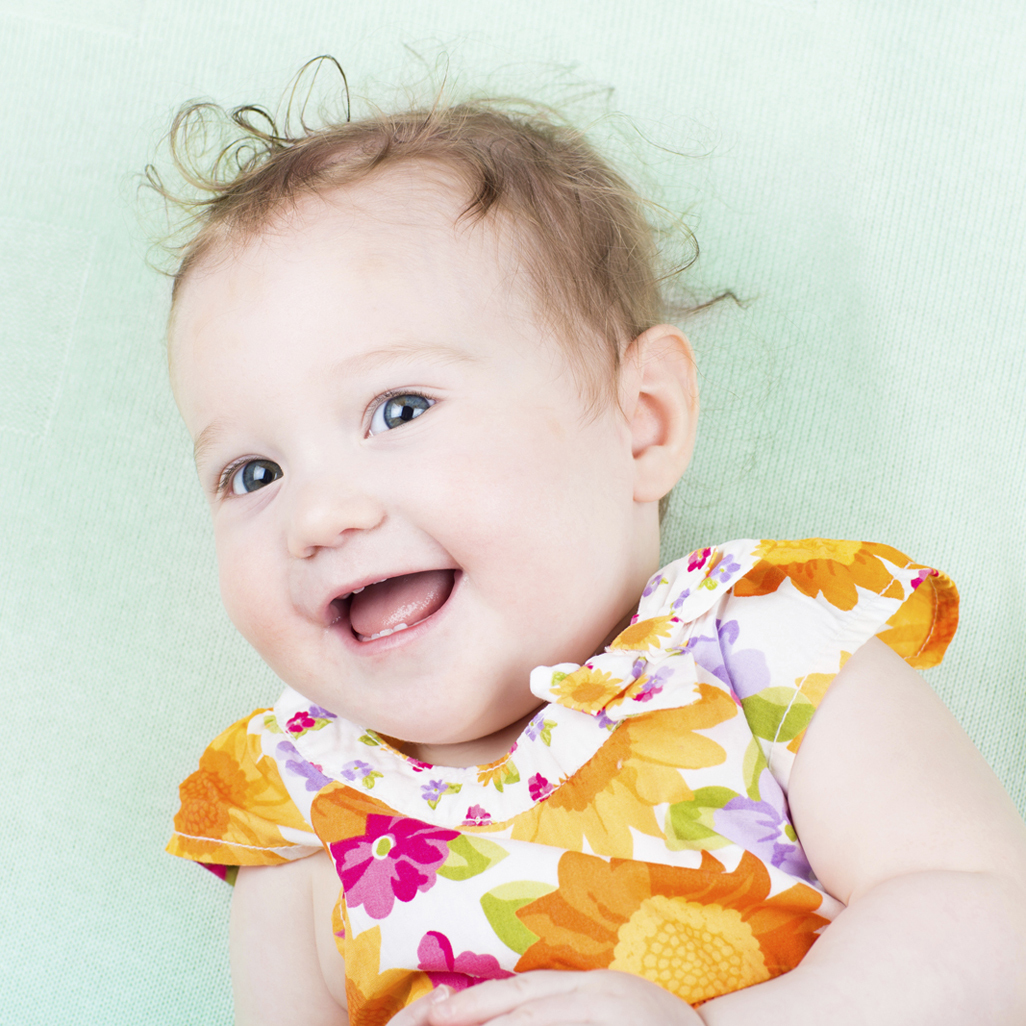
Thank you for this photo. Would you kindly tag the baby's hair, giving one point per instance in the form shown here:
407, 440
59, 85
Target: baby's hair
590, 253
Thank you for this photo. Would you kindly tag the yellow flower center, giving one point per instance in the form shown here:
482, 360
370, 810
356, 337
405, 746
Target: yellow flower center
692, 950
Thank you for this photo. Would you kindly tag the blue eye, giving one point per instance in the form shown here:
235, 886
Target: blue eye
253, 475
398, 409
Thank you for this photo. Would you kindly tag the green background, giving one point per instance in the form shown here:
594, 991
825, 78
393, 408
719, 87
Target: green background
853, 168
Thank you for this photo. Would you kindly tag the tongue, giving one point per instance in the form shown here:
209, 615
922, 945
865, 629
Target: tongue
407, 599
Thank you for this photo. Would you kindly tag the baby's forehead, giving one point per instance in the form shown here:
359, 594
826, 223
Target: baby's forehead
400, 236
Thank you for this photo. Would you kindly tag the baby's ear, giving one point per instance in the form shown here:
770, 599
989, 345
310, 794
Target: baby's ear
659, 395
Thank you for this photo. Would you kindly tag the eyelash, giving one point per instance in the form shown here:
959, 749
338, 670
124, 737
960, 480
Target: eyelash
225, 479
392, 393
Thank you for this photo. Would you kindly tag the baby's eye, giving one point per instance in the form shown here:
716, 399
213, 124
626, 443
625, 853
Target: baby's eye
253, 475
398, 409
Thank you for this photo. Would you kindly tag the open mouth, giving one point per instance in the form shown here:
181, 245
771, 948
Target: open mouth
395, 604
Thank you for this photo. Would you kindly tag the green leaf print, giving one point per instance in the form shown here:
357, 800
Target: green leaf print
449, 789
752, 767
500, 908
778, 714
469, 856
271, 724
370, 738
546, 731
690, 824
509, 774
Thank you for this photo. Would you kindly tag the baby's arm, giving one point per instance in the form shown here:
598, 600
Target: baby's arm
285, 966
903, 820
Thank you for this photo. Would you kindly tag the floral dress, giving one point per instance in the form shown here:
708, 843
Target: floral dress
639, 823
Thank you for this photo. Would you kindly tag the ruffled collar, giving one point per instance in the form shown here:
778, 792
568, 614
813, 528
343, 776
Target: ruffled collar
647, 667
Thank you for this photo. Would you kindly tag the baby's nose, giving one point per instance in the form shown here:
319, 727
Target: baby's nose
321, 514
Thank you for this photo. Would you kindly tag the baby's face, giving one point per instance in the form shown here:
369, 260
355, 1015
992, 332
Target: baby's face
374, 399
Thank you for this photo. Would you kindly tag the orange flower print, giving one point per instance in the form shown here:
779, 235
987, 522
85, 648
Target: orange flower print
207, 795
818, 565
234, 803
638, 768
586, 689
698, 933
644, 634
499, 773
373, 996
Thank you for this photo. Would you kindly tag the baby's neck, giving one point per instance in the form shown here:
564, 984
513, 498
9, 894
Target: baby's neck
478, 752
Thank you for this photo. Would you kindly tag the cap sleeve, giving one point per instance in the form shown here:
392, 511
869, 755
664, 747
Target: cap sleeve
235, 809
803, 609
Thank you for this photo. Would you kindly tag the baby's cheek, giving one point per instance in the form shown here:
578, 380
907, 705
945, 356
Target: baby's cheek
248, 597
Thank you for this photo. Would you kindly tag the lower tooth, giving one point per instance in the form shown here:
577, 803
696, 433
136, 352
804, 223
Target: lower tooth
389, 630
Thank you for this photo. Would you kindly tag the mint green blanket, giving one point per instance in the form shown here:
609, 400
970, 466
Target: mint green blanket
856, 172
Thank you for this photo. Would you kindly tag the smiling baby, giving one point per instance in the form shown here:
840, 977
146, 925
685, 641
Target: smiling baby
520, 773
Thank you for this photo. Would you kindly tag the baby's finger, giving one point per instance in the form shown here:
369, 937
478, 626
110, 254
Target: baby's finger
487, 1001
418, 1014
576, 1008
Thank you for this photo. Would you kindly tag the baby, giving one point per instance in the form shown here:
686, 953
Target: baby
521, 774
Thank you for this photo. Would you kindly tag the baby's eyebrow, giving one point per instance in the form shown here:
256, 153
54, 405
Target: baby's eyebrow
205, 441
437, 352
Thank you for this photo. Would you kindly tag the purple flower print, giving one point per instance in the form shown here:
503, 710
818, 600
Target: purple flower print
697, 559
295, 763
680, 600
653, 685
321, 714
433, 790
459, 972
743, 670
539, 787
300, 722
758, 826
724, 569
356, 770
395, 858
534, 728
653, 583
476, 816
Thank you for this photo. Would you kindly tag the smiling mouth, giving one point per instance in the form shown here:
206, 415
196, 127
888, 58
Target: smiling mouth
395, 603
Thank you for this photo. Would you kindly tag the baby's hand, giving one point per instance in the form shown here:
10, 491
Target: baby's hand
601, 997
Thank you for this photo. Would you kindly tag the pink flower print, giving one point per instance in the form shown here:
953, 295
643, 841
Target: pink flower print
459, 972
539, 787
395, 858
301, 722
476, 816
922, 576
697, 559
